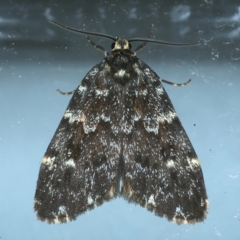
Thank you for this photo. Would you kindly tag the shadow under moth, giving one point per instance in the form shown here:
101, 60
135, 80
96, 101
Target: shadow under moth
120, 136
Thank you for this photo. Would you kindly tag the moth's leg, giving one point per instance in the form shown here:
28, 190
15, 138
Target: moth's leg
65, 93
142, 46
98, 47
177, 84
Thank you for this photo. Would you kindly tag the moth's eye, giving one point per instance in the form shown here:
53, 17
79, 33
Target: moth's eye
113, 45
130, 46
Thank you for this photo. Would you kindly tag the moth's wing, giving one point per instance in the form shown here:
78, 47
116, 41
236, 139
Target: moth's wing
80, 169
162, 170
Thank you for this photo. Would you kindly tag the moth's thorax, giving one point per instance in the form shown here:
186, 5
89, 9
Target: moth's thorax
121, 62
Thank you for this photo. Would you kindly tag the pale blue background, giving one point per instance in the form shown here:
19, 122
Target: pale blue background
37, 58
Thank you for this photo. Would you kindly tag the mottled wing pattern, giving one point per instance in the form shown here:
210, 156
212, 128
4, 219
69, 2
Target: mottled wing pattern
80, 168
120, 124
161, 169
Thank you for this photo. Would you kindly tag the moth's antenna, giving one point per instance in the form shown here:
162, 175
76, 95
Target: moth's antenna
84, 32
145, 40
162, 42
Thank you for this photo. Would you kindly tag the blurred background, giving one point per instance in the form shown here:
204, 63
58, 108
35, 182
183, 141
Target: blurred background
37, 57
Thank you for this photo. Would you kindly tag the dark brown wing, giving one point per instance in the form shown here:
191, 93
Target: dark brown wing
161, 169
80, 169
120, 123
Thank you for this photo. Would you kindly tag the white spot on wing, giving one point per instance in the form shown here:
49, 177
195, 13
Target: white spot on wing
92, 73
151, 129
82, 89
89, 128
151, 200
74, 117
62, 210
105, 118
170, 163
142, 92
177, 220
159, 90
137, 70
57, 221
102, 92
167, 117
49, 162
193, 163
179, 215
90, 201
111, 192
70, 163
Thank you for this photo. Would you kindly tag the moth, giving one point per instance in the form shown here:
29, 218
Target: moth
120, 136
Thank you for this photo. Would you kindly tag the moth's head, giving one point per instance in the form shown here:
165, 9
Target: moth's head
121, 44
